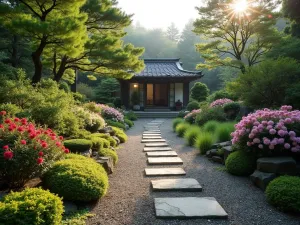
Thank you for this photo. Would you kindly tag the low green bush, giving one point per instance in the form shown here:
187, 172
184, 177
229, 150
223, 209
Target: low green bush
31, 206
182, 114
204, 142
208, 114
192, 105
97, 143
223, 132
112, 141
116, 124
11, 109
109, 152
190, 135
211, 126
131, 116
232, 109
181, 129
129, 122
77, 179
284, 193
78, 145
175, 122
240, 163
120, 134
93, 107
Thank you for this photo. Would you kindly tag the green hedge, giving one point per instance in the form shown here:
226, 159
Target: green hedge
112, 141
31, 206
109, 152
78, 145
77, 179
120, 134
116, 124
129, 122
240, 163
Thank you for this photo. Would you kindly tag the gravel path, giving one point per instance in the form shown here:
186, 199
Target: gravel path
131, 201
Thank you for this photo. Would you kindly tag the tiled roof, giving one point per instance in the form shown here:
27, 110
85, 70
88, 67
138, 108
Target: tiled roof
166, 68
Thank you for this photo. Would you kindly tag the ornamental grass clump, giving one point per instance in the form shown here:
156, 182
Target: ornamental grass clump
220, 102
26, 150
181, 129
191, 133
111, 113
204, 142
190, 117
223, 132
175, 123
211, 126
269, 131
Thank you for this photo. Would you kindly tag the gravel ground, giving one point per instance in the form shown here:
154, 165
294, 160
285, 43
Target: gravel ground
131, 201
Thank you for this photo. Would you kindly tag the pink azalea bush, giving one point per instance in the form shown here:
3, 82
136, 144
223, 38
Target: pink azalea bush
269, 130
111, 113
220, 102
191, 116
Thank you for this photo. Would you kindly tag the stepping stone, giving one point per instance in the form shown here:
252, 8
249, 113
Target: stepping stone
162, 154
164, 171
151, 134
165, 161
156, 145
153, 130
191, 207
155, 149
186, 184
151, 137
153, 140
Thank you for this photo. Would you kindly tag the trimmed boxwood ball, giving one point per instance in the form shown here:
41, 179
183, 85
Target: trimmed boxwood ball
181, 129
284, 193
109, 152
192, 105
175, 122
240, 163
78, 145
31, 206
191, 134
77, 179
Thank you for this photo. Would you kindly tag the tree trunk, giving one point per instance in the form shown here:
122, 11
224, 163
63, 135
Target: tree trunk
61, 70
14, 54
36, 58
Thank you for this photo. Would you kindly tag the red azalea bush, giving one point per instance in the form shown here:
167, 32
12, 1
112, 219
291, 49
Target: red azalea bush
270, 131
26, 151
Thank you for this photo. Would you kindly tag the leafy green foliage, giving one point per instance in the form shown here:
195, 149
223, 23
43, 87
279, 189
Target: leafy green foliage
31, 206
181, 128
109, 153
106, 91
199, 92
293, 95
204, 142
191, 134
232, 109
129, 122
77, 178
176, 122
211, 126
290, 9
78, 145
116, 124
220, 95
120, 134
240, 163
131, 116
192, 105
208, 114
112, 141
266, 85
77, 218
11, 109
283, 193
223, 132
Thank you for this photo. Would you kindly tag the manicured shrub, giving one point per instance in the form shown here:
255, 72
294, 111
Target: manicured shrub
112, 141
220, 102
181, 129
219, 95
190, 117
199, 92
129, 122
11, 109
77, 179
78, 145
232, 110
182, 114
93, 107
192, 106
204, 142
31, 206
223, 132
97, 143
211, 126
176, 122
109, 152
208, 114
116, 124
110, 113
269, 131
240, 163
191, 134
284, 194
120, 134
26, 150
131, 116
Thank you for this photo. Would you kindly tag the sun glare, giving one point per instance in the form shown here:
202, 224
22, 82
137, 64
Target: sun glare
240, 6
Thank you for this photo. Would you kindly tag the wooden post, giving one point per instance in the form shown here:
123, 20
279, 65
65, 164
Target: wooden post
186, 93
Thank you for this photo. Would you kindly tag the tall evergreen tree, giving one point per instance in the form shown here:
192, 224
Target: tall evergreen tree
173, 33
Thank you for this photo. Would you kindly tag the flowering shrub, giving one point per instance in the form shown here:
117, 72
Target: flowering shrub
111, 113
270, 130
26, 151
190, 117
220, 102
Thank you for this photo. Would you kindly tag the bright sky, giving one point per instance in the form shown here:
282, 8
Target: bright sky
161, 13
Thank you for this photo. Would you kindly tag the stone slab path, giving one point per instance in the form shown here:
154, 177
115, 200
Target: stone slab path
165, 161
156, 145
164, 171
153, 140
152, 137
151, 134
184, 184
162, 154
151, 149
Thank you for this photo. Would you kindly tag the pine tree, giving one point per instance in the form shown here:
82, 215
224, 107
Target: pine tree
173, 33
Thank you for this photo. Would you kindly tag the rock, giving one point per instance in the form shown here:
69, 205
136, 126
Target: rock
117, 139
277, 165
87, 153
222, 144
107, 130
107, 163
227, 151
217, 159
212, 152
126, 126
261, 179
70, 207
95, 154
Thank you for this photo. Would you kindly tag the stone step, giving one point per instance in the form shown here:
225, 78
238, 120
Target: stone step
156, 145
162, 154
165, 161
152, 130
164, 171
153, 124
151, 134
185, 184
190, 207
151, 137
155, 149
153, 140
